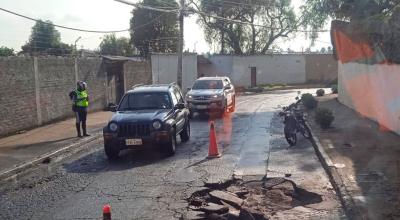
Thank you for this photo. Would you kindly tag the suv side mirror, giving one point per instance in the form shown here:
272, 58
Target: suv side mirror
180, 106
188, 89
113, 108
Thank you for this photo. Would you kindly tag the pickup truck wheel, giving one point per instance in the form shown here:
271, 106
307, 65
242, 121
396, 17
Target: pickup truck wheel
224, 109
169, 148
185, 134
111, 151
232, 108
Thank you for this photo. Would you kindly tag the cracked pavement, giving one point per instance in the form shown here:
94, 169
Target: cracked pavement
144, 184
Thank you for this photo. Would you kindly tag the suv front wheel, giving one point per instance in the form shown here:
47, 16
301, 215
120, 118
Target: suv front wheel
112, 152
233, 106
185, 134
169, 147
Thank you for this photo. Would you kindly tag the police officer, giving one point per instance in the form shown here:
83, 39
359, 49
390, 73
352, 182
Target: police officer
80, 100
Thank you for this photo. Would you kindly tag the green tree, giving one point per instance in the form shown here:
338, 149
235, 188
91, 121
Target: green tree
5, 51
45, 39
278, 21
377, 21
154, 31
111, 45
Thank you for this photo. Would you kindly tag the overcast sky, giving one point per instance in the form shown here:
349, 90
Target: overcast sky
99, 15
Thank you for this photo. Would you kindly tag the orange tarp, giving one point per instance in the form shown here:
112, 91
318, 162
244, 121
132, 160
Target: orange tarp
349, 50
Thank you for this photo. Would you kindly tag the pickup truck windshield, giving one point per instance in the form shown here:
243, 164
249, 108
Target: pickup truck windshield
208, 84
148, 100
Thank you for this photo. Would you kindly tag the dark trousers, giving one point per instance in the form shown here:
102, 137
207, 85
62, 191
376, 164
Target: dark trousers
81, 114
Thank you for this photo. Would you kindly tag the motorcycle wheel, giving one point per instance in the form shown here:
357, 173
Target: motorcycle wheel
290, 136
305, 131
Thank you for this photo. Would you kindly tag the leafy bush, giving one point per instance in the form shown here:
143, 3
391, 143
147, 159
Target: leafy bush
334, 89
309, 101
320, 92
324, 117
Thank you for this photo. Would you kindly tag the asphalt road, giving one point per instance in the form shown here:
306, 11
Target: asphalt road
144, 184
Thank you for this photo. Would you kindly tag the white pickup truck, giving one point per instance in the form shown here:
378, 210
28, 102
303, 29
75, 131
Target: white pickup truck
211, 94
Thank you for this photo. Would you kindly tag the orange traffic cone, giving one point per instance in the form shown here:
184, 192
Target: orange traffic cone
107, 212
213, 147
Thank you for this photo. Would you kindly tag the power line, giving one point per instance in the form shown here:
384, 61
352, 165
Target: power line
225, 3
82, 30
171, 5
61, 26
138, 5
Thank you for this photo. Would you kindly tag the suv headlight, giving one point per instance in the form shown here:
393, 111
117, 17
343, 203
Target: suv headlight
189, 97
157, 125
113, 126
217, 96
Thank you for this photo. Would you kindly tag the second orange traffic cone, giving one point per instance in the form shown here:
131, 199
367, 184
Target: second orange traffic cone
107, 212
213, 147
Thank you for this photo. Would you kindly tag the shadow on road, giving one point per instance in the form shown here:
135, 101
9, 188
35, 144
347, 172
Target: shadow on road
97, 162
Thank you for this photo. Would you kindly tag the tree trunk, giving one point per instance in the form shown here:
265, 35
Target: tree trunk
222, 42
253, 40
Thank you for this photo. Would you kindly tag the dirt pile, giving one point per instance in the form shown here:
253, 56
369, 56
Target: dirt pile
248, 200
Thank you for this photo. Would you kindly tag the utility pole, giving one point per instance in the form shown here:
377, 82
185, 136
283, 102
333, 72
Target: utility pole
180, 43
76, 41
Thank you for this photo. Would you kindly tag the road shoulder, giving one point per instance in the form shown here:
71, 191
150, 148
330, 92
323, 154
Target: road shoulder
20, 152
361, 161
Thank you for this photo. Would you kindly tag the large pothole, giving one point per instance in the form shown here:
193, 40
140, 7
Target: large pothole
247, 200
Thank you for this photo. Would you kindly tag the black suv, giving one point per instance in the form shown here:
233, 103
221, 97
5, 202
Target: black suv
148, 114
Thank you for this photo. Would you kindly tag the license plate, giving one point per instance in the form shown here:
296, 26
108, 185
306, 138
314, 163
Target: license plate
132, 142
201, 106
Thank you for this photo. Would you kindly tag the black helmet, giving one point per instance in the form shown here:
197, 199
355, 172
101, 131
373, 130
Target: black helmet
80, 85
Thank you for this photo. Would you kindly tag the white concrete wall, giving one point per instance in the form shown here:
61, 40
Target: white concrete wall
373, 91
164, 69
287, 69
222, 65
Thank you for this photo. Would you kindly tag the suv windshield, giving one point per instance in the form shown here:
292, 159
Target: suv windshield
149, 100
208, 84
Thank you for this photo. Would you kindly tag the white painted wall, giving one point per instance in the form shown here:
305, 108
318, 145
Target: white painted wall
164, 69
287, 69
373, 91
222, 65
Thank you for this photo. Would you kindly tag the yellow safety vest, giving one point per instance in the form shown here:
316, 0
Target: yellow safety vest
82, 98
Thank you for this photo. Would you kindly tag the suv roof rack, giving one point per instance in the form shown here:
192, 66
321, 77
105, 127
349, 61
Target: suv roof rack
137, 85
172, 84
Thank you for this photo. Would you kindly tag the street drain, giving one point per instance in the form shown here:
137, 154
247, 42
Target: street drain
254, 199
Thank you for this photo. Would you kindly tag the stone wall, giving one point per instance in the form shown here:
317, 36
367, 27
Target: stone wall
136, 73
321, 68
93, 72
56, 80
34, 91
17, 94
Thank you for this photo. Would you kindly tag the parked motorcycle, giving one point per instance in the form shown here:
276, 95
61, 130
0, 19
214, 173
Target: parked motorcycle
294, 120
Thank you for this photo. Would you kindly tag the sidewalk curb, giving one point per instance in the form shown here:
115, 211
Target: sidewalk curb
345, 198
24, 168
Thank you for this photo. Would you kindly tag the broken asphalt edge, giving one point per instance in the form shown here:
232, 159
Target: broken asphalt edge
26, 167
351, 210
